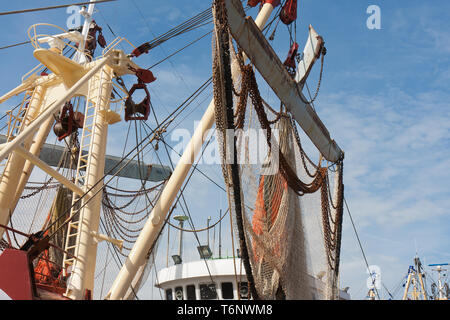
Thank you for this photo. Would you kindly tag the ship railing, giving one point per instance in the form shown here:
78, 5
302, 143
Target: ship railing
115, 43
107, 50
56, 41
36, 70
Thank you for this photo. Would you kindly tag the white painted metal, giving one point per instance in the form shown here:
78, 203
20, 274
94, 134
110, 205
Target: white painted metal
440, 283
51, 109
55, 174
80, 57
82, 275
257, 48
153, 225
219, 271
15, 163
35, 149
73, 36
311, 52
17, 90
201, 272
103, 237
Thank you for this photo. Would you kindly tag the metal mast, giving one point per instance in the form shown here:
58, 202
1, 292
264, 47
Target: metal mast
45, 96
415, 281
441, 286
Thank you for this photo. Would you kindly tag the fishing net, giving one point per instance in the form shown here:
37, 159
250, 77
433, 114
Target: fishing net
286, 217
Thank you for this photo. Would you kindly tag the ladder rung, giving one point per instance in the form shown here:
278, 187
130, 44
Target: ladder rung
74, 226
84, 146
69, 261
71, 235
88, 125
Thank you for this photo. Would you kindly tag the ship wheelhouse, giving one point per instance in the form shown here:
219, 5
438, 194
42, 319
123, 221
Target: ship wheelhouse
216, 279
211, 279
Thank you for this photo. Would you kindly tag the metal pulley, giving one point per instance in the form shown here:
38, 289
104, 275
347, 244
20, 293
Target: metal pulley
288, 13
254, 3
101, 40
67, 122
290, 60
93, 39
143, 75
131, 108
143, 48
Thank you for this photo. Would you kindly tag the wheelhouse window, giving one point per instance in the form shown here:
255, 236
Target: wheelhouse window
190, 292
169, 295
243, 290
208, 291
227, 290
179, 293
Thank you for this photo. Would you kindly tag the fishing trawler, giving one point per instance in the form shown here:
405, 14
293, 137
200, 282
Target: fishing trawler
285, 210
415, 287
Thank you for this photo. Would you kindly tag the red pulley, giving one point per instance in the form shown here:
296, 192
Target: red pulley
254, 3
101, 40
290, 60
143, 48
144, 75
131, 108
68, 121
288, 13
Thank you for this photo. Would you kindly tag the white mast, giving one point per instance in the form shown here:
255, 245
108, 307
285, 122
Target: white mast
440, 285
80, 57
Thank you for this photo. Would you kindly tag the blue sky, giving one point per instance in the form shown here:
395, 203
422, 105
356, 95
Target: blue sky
384, 98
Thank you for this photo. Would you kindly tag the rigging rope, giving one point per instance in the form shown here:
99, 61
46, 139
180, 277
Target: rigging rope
147, 140
15, 45
199, 20
200, 230
360, 246
179, 50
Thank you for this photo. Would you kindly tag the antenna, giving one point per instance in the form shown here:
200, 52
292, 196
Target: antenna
177, 258
207, 232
